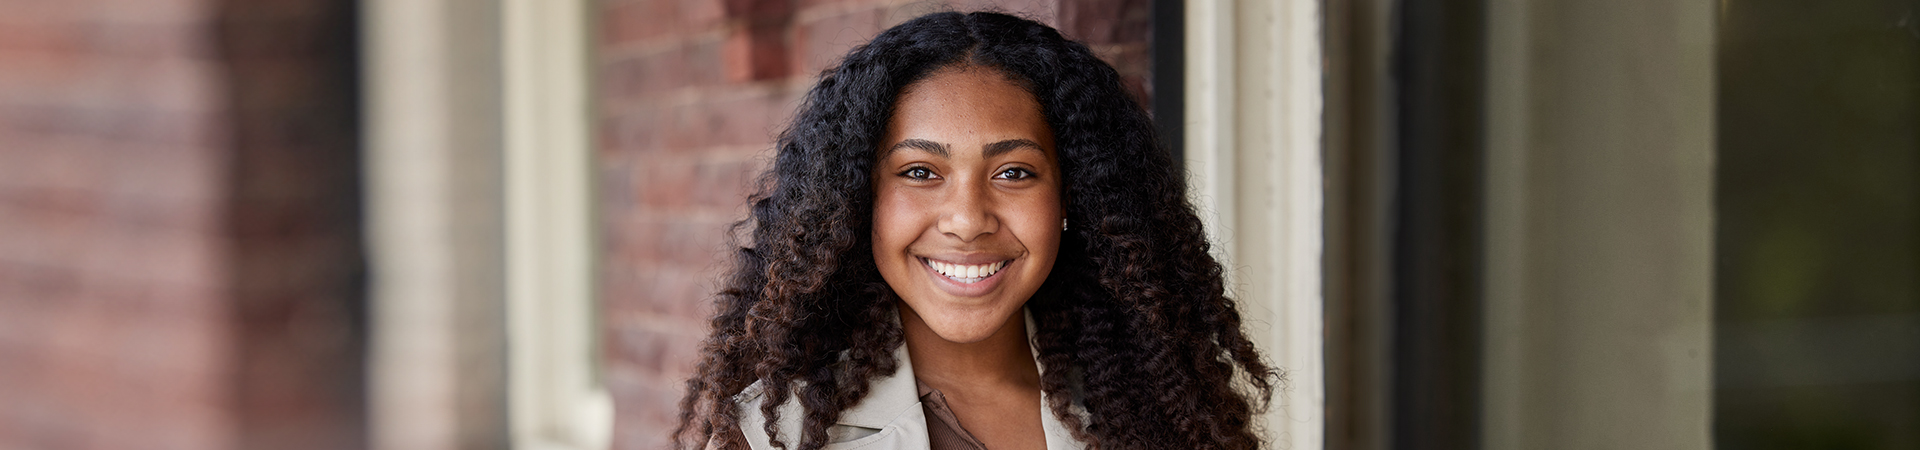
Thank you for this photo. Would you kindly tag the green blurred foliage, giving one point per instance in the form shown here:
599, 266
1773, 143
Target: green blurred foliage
1818, 212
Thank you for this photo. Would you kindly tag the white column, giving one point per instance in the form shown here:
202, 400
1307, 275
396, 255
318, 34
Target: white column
557, 399
437, 370
1253, 150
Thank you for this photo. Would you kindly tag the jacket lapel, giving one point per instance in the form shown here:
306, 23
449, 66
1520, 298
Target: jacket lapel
891, 397
888, 418
891, 414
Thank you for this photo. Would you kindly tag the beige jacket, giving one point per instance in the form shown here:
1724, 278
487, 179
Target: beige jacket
890, 418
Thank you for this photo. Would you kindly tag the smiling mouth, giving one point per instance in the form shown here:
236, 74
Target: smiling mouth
965, 274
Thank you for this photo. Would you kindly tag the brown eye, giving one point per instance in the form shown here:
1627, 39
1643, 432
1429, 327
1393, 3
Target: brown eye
918, 173
1015, 174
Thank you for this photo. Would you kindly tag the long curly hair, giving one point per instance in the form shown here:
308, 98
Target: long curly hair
1133, 322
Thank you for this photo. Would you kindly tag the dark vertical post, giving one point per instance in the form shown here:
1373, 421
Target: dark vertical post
1438, 61
1359, 168
1168, 47
293, 222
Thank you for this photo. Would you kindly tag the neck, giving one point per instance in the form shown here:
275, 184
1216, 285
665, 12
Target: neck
1001, 360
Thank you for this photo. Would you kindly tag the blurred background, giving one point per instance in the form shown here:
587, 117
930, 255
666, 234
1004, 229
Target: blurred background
483, 224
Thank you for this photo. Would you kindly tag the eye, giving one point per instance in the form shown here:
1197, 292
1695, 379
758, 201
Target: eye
1016, 174
918, 173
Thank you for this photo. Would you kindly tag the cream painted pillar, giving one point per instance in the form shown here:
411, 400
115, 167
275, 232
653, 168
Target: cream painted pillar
433, 196
1599, 225
558, 401
1253, 155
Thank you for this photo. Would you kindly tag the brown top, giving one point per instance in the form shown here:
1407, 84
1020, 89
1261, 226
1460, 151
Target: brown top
943, 428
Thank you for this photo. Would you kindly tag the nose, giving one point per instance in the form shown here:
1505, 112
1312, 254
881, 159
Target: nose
968, 211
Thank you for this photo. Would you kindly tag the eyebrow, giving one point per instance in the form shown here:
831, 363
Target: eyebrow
989, 150
923, 144
1002, 147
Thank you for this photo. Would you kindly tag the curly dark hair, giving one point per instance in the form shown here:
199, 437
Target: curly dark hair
1133, 321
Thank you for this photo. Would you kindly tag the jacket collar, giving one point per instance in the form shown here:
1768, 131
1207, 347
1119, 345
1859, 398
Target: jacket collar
890, 396
898, 394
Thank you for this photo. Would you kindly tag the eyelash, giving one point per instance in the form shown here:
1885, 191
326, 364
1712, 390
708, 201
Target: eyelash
925, 173
1023, 174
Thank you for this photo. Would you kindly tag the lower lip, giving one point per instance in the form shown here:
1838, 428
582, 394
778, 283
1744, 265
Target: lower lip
958, 289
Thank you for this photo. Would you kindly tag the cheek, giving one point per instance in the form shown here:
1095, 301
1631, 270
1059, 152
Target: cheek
1043, 224
893, 218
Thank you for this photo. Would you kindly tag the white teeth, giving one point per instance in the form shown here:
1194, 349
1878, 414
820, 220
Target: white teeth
966, 274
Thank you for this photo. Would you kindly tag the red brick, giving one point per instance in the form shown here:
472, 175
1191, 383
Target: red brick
757, 52
45, 243
167, 207
703, 13
37, 162
823, 41
738, 120
694, 63
100, 36
184, 13
92, 82
646, 409
38, 37
118, 119
1043, 11
665, 186
753, 120
37, 286
721, 186
159, 259
710, 186
1139, 89
805, 4
1098, 22
615, 192
666, 243
1133, 62
758, 9
653, 352
114, 125
1128, 60
676, 290
635, 129
631, 22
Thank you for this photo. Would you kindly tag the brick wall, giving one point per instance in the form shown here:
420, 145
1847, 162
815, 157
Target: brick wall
178, 240
692, 93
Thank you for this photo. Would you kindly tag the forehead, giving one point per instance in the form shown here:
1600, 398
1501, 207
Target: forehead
967, 105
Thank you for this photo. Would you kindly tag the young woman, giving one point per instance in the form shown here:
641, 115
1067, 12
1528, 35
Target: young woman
969, 239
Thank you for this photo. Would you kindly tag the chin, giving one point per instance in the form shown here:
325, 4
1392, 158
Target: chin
967, 327
965, 335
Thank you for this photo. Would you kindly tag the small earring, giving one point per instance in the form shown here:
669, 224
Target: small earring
1063, 224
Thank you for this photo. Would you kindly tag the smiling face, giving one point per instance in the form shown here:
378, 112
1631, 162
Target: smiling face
967, 214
